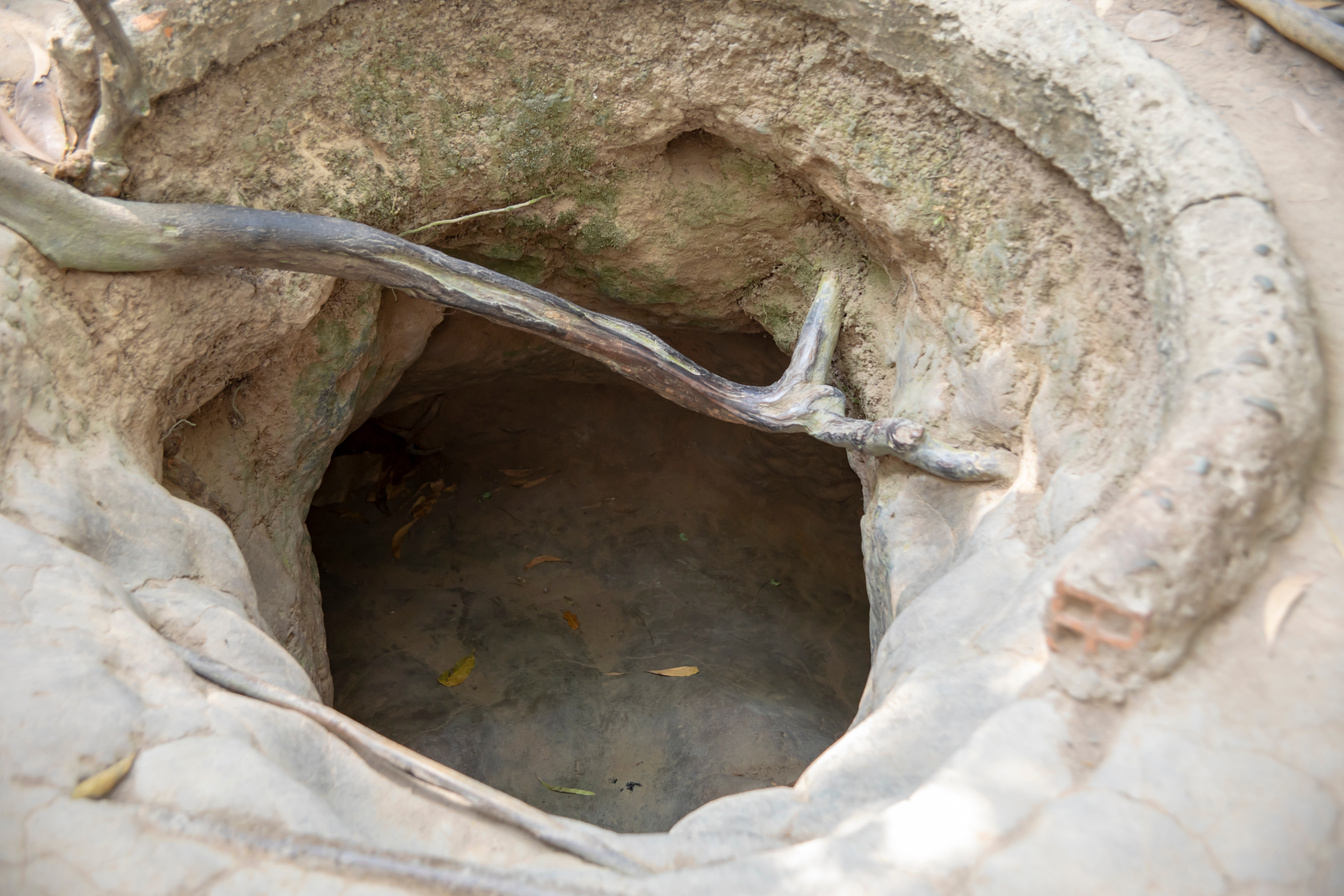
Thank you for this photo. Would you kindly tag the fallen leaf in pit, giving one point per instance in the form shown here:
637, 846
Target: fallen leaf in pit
571, 620
1280, 602
1305, 120
774, 582
675, 671
458, 674
613, 673
683, 537
100, 784
531, 482
1153, 25
573, 790
399, 537
544, 558
519, 474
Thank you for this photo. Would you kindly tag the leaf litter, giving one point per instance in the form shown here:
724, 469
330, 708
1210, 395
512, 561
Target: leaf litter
544, 558
100, 784
37, 128
675, 671
573, 790
419, 510
1281, 600
458, 674
571, 620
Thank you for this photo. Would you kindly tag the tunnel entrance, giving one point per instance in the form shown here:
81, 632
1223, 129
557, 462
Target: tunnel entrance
571, 537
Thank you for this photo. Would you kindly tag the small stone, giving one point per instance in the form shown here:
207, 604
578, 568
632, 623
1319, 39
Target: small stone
1255, 36
1153, 25
1262, 249
1265, 283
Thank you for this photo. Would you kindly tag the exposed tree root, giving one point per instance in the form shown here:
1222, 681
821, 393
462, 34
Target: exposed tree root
87, 233
574, 837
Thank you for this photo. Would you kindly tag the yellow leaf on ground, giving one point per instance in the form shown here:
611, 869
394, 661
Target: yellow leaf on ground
531, 482
1281, 599
398, 537
613, 673
100, 784
519, 474
675, 671
571, 620
458, 674
573, 790
544, 558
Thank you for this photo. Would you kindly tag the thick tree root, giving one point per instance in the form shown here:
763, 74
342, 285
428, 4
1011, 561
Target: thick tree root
82, 232
124, 99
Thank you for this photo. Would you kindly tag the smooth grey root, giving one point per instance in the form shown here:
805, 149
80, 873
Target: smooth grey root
92, 234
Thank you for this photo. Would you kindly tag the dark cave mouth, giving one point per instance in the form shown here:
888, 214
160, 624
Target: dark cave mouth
571, 538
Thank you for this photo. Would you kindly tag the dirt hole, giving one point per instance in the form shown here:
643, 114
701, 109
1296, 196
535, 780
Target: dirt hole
680, 541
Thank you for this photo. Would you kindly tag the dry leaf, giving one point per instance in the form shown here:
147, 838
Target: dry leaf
37, 110
675, 671
16, 138
41, 61
1281, 599
519, 474
544, 558
419, 510
571, 620
1153, 25
458, 674
399, 537
613, 673
1305, 120
573, 790
149, 21
100, 784
531, 482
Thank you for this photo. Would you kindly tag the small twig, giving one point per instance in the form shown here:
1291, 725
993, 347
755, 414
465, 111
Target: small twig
237, 419
480, 214
175, 426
